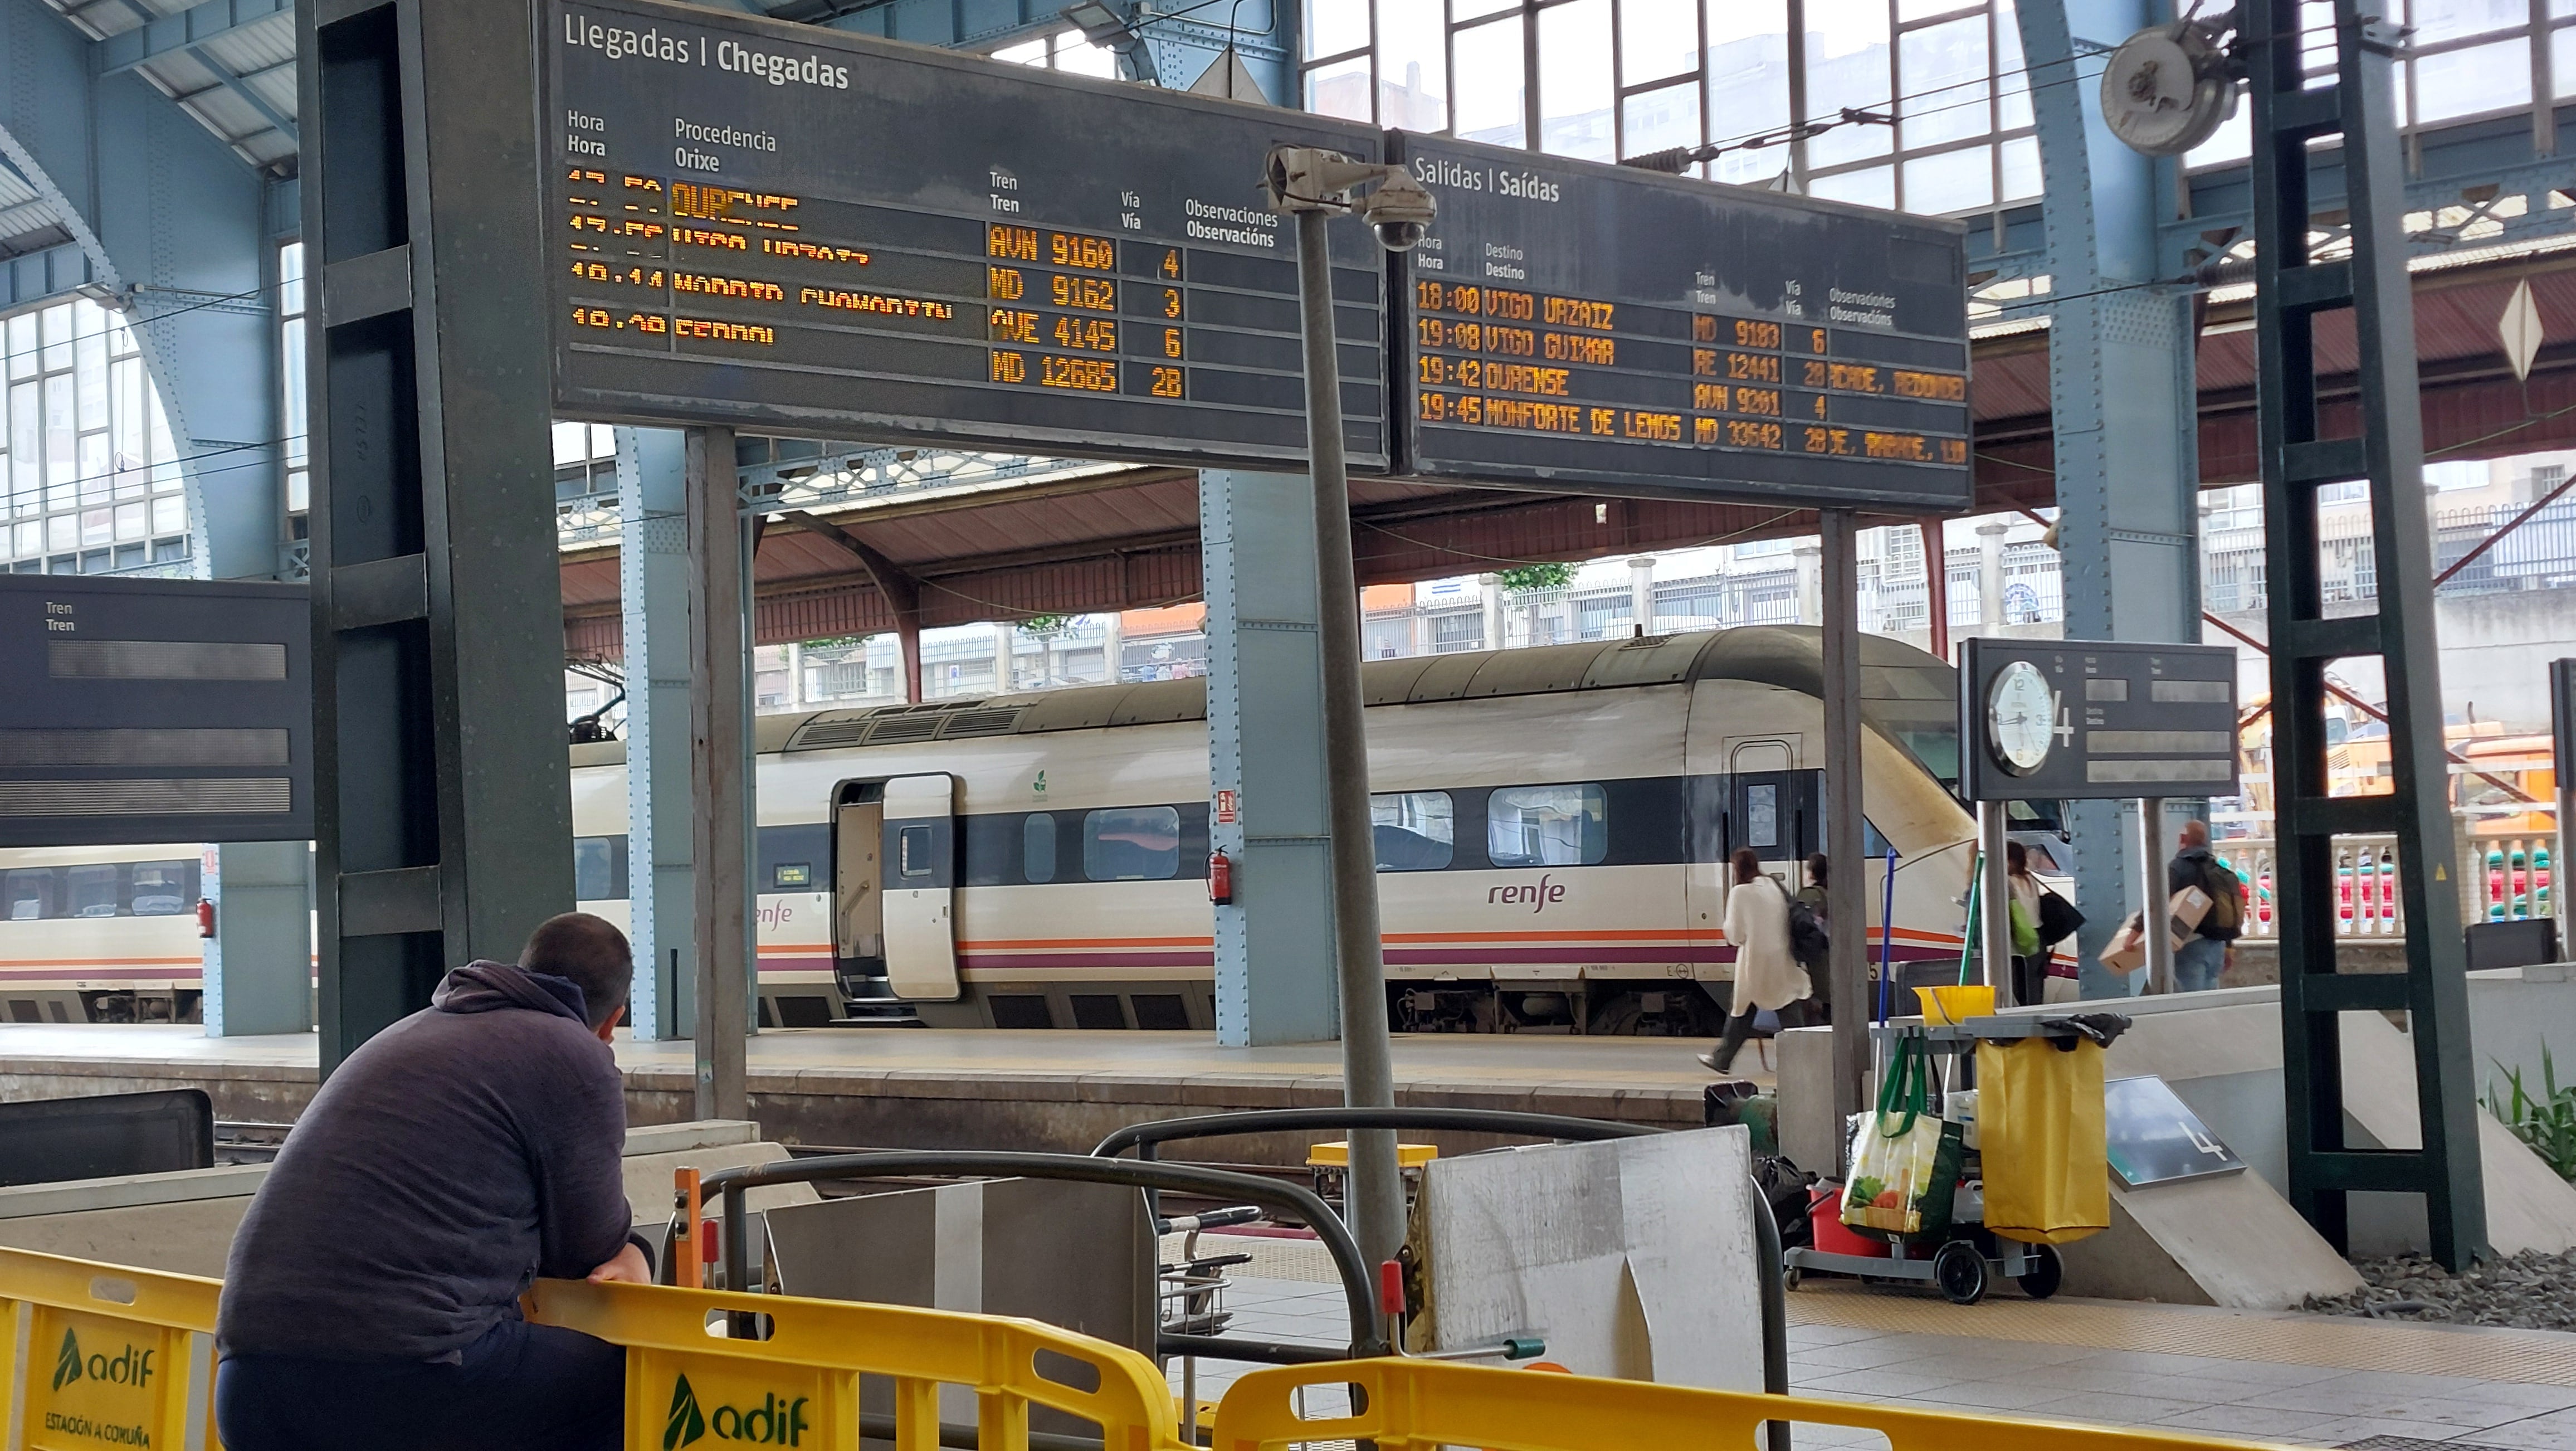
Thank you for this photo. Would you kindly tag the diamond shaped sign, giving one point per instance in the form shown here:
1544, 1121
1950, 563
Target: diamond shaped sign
2520, 329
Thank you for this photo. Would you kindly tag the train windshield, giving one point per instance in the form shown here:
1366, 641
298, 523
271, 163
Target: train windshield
1917, 706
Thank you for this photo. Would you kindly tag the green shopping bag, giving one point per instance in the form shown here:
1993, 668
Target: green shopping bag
1904, 1161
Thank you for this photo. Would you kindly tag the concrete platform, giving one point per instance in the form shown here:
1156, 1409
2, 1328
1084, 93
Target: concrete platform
928, 1088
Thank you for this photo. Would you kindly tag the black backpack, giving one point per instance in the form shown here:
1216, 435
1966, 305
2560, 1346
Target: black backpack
1807, 940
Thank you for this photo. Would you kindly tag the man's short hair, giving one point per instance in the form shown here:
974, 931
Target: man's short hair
2195, 832
591, 953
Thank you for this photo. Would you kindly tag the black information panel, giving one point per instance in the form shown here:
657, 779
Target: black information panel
1597, 328
152, 710
2070, 720
786, 228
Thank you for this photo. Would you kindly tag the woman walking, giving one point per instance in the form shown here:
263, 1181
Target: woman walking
1766, 975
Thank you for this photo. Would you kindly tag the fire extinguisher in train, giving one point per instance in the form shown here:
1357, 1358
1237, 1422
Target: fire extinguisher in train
1220, 878
206, 917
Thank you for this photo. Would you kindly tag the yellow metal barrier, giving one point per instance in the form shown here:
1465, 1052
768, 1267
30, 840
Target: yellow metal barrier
99, 1355
1416, 1405
798, 1385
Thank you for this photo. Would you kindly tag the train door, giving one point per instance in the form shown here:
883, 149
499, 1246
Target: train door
919, 874
858, 888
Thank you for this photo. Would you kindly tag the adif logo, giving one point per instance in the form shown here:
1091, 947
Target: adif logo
767, 1424
1540, 894
130, 1366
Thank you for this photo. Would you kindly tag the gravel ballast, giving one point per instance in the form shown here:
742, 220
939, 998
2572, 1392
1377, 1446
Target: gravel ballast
2529, 1291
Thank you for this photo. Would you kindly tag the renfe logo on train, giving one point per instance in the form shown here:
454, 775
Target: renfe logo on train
1539, 894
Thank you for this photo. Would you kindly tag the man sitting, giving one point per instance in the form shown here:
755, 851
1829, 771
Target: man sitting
372, 1295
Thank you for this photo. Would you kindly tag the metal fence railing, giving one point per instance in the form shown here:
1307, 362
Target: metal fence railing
2502, 877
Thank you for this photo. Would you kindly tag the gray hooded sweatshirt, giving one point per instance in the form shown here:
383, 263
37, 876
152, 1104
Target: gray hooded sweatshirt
454, 1157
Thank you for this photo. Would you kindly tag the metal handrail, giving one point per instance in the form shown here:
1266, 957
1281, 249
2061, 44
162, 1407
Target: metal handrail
1144, 1138
1281, 1120
1368, 1337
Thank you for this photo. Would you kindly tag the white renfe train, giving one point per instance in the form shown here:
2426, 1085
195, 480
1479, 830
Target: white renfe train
1552, 828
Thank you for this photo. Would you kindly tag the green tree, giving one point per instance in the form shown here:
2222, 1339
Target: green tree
1528, 578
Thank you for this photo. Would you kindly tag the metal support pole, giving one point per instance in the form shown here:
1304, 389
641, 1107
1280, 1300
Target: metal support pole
2154, 915
1375, 1199
716, 746
1848, 960
1936, 587
1994, 893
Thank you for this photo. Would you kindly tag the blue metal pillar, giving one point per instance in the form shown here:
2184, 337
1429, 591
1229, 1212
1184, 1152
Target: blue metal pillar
1265, 716
653, 581
2122, 392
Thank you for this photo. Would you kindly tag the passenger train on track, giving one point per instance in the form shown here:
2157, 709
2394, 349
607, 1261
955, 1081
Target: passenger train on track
1553, 824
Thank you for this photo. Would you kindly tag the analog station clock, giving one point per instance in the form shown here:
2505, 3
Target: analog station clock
2021, 711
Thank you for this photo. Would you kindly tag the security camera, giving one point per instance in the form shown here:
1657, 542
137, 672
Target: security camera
1400, 209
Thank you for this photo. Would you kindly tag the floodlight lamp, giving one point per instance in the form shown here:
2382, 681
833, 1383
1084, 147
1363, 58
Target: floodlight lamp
1098, 23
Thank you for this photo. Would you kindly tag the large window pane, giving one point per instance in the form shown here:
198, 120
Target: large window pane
1334, 26
594, 869
1953, 181
1547, 826
58, 337
2466, 82
1575, 87
1416, 831
1340, 89
2012, 110
2021, 170
1463, 11
1132, 843
1488, 94
26, 441
291, 379
1748, 84
24, 357
1941, 73
1661, 119
1413, 66
1847, 68
91, 370
60, 435
1657, 38
290, 280
2562, 59
2435, 21
1871, 187
94, 891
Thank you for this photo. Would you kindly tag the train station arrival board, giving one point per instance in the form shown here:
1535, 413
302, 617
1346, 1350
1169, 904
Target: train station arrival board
1596, 328
790, 229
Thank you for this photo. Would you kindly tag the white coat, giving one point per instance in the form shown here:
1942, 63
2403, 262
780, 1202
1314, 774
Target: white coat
1757, 923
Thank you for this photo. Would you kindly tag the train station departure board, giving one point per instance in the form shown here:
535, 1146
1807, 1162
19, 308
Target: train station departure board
794, 230
1594, 328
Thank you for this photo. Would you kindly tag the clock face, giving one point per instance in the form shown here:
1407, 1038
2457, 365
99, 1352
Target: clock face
2021, 713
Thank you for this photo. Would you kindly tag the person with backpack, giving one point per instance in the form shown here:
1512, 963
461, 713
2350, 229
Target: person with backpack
1766, 974
1809, 942
2199, 961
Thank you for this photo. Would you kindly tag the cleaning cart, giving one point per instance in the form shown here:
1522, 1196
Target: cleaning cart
1956, 1215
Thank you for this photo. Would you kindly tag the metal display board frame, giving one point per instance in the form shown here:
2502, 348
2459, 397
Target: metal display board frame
170, 710
2124, 720
859, 238
1622, 332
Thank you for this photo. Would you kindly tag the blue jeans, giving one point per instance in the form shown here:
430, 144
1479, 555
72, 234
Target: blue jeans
521, 1385
2197, 964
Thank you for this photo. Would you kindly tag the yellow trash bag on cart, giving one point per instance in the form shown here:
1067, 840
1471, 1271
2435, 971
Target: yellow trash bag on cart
2040, 1126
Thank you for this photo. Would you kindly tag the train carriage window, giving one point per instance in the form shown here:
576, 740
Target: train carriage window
94, 891
1417, 831
160, 889
912, 852
594, 869
29, 893
1037, 847
1132, 844
1547, 826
